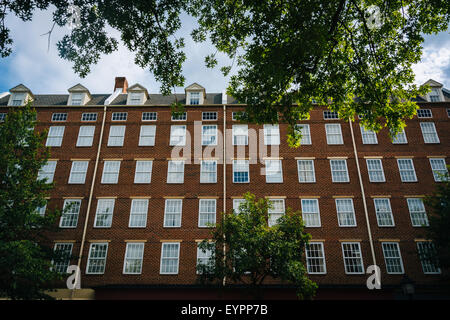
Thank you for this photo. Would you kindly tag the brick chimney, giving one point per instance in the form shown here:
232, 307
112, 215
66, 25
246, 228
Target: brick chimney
121, 83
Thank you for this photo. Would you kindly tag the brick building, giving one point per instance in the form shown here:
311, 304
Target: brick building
145, 183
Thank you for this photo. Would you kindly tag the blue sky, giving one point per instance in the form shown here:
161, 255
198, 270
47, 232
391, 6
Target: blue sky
43, 71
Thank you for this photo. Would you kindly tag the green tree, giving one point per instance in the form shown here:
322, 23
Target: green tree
439, 221
353, 55
25, 260
245, 250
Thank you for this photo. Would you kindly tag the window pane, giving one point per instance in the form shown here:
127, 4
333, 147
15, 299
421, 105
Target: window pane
172, 214
138, 213
104, 214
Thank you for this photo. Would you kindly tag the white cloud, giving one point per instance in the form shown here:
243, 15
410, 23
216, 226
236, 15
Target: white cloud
435, 62
43, 71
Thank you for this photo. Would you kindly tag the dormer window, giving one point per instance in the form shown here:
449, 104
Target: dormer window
79, 95
195, 94
77, 99
194, 98
17, 99
136, 97
435, 95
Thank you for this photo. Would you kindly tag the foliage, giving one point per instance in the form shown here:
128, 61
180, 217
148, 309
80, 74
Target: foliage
288, 54
439, 220
25, 260
245, 250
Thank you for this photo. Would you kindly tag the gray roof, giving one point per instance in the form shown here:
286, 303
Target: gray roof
121, 99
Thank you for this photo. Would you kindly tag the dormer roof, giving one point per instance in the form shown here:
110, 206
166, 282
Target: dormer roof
79, 88
138, 88
21, 88
195, 87
433, 83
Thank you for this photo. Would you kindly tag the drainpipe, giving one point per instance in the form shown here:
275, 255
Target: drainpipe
224, 101
363, 194
83, 238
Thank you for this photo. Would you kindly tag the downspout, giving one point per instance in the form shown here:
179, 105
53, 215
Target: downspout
83, 238
224, 101
362, 193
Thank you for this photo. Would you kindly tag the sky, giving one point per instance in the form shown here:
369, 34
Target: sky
44, 72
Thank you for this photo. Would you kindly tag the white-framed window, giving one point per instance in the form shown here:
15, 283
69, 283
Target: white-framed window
179, 117
77, 98
427, 256
208, 171
330, 115
276, 211
138, 213
175, 171
429, 132
417, 212
375, 170
424, 113
78, 172
383, 212
116, 136
236, 205
85, 136
345, 212
339, 172
271, 134
89, 116
334, 133
241, 171
315, 258
305, 132
310, 212
147, 136
240, 134
234, 115
209, 135
353, 261
104, 213
111, 169
69, 218
47, 171
172, 213
399, 138
143, 172
2, 117
97, 258
206, 212
368, 136
59, 117
170, 256
134, 255
136, 98
392, 258
119, 116
149, 116
64, 252
194, 98
41, 210
177, 135
274, 171
406, 169
55, 136
17, 99
205, 257
209, 116
306, 173
439, 169
434, 95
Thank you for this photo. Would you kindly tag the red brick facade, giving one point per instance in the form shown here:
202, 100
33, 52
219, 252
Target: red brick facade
146, 283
